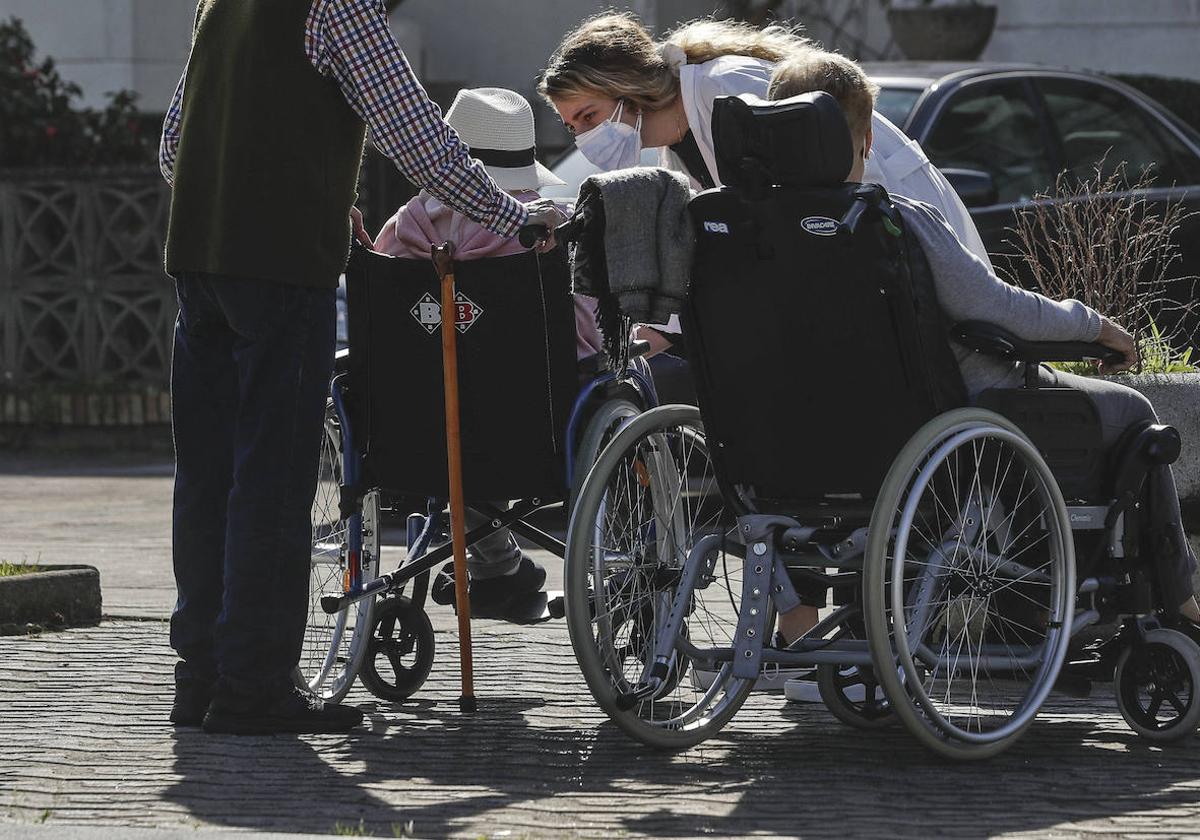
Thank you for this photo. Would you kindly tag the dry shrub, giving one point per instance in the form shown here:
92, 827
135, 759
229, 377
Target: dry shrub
1101, 241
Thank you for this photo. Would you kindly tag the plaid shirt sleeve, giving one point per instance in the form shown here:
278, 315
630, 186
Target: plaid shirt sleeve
349, 41
169, 143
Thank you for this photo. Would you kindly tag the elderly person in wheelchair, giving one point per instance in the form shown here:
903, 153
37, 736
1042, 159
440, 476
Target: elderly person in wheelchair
986, 518
498, 126
968, 291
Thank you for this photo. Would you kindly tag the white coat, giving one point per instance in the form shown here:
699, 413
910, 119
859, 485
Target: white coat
895, 161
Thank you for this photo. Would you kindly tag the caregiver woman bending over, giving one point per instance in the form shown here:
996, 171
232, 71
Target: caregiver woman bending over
618, 91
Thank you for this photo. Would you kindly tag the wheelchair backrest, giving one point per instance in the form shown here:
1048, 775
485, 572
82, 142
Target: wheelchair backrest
516, 367
817, 351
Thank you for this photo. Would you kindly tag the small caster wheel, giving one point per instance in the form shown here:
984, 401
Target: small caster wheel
854, 696
399, 652
1156, 684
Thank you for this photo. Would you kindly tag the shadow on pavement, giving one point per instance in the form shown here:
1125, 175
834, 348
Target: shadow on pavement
816, 778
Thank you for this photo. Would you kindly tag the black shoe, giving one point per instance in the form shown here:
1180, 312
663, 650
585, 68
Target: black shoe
192, 696
490, 595
296, 711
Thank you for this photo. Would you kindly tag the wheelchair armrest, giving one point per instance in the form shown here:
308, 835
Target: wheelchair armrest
992, 340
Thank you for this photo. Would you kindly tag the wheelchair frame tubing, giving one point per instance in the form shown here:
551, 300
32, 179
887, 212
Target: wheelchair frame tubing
350, 478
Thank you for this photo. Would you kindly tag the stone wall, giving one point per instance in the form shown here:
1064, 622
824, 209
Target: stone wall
86, 312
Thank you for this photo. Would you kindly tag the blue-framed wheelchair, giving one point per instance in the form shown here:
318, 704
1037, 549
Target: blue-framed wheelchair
977, 556
533, 419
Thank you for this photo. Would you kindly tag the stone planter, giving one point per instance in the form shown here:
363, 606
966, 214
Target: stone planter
942, 33
57, 596
1176, 398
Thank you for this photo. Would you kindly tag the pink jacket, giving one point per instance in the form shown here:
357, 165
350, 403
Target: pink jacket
424, 221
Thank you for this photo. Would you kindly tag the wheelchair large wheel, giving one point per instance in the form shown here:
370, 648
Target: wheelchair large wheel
1157, 684
649, 498
334, 645
969, 583
609, 418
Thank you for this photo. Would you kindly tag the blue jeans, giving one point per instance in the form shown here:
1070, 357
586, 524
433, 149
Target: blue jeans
249, 377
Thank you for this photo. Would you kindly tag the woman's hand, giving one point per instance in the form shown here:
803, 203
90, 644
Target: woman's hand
360, 232
1114, 337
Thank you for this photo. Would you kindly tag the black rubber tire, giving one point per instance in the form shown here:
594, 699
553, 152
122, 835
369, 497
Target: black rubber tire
402, 634
1177, 655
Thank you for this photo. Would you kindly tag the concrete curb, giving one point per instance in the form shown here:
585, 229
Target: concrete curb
58, 596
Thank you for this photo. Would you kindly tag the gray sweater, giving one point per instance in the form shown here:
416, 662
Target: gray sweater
969, 291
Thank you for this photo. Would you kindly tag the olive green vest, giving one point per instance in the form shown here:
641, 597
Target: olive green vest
269, 151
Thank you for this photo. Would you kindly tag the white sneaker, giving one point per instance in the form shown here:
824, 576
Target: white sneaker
771, 679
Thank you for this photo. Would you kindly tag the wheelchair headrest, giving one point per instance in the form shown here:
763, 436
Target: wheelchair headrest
799, 142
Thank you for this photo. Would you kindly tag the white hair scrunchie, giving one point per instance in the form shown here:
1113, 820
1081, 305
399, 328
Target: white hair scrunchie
673, 55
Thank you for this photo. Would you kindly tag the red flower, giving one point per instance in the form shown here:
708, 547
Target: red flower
51, 130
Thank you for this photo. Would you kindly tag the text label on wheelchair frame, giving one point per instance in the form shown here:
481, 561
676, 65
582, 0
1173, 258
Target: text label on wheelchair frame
819, 225
716, 227
428, 312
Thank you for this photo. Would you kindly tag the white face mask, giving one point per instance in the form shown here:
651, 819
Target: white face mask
612, 144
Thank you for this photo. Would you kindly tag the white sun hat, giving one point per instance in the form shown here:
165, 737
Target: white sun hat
498, 126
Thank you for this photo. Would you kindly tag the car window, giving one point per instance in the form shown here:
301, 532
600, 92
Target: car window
896, 104
1097, 123
991, 127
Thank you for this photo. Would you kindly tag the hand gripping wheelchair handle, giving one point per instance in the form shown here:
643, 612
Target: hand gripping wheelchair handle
992, 340
530, 235
568, 231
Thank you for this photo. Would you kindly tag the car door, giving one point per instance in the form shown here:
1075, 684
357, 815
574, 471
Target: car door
1100, 128
990, 131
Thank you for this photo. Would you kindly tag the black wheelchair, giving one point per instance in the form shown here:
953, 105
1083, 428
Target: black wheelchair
533, 419
833, 448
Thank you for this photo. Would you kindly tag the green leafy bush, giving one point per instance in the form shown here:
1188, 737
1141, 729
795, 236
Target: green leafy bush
40, 124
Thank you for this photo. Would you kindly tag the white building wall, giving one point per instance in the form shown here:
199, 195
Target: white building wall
1114, 36
506, 44
105, 45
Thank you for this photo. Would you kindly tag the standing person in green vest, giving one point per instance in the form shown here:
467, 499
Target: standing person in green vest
262, 145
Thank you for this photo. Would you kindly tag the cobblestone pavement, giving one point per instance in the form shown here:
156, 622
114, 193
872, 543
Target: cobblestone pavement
84, 739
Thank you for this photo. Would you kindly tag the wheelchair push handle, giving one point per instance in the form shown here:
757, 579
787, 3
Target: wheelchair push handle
530, 235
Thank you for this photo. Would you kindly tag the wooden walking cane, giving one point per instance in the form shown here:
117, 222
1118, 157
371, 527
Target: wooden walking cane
443, 261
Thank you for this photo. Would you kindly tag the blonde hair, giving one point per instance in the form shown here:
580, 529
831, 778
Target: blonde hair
614, 55
704, 40
835, 74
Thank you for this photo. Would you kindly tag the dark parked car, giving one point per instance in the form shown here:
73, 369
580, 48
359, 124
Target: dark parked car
1002, 133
